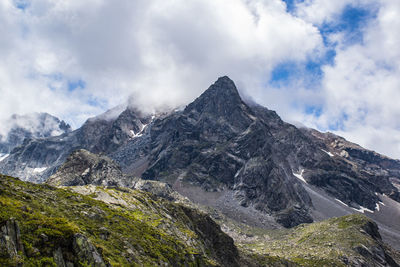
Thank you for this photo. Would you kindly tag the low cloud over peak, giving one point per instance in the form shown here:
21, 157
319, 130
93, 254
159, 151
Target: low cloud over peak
76, 59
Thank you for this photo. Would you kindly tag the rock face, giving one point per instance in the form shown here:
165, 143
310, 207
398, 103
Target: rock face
10, 240
83, 168
221, 245
359, 174
87, 252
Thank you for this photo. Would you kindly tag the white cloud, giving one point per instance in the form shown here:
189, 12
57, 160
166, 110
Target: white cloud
163, 52
362, 88
322, 11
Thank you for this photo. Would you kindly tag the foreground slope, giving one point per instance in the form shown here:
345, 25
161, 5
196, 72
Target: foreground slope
43, 225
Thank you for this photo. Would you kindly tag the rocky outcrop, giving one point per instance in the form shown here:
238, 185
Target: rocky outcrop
86, 252
221, 245
83, 167
376, 253
10, 240
159, 189
351, 240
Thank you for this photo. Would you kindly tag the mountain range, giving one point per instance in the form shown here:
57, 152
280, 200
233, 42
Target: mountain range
233, 156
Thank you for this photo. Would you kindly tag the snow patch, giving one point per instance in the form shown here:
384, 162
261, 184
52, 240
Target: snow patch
327, 152
251, 117
134, 135
300, 176
363, 209
396, 185
56, 132
238, 172
140, 133
39, 170
235, 158
377, 207
341, 202
3, 156
85, 172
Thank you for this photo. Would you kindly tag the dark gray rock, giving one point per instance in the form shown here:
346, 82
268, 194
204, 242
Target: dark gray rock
220, 244
58, 258
86, 252
83, 168
10, 240
351, 173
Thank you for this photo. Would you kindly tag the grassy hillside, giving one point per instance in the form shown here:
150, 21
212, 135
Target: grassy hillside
351, 240
136, 229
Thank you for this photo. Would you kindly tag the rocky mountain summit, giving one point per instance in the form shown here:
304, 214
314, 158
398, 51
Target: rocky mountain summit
220, 151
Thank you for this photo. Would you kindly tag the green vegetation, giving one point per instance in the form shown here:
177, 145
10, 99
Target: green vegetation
327, 243
140, 231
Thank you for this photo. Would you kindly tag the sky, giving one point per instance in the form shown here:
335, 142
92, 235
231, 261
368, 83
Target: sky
329, 65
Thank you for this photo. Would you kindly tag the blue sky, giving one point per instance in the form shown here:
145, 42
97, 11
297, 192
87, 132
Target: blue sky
350, 22
330, 65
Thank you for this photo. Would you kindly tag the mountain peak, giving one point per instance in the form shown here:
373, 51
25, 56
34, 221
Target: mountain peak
220, 98
224, 85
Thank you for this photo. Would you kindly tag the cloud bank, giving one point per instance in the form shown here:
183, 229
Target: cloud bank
75, 59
